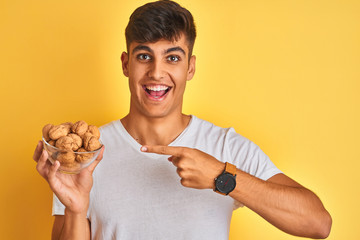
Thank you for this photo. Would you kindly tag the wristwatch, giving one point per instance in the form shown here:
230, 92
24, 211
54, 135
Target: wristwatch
226, 181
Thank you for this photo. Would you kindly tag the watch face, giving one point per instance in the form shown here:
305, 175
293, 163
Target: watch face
225, 183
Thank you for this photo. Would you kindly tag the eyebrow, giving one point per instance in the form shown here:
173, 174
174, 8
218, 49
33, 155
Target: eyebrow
142, 47
175, 49
146, 48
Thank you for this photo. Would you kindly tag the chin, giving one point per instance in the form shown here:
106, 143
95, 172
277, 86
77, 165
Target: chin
159, 113
156, 115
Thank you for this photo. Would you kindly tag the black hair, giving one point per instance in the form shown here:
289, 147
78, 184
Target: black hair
162, 19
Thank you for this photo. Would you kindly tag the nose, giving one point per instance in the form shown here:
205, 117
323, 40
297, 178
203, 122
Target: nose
156, 70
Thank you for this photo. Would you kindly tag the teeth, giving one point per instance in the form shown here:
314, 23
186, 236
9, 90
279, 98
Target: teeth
157, 87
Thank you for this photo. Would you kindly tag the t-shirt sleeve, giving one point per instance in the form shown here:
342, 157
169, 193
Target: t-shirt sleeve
248, 157
58, 208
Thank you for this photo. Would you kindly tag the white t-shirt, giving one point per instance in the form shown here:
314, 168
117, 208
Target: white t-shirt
138, 195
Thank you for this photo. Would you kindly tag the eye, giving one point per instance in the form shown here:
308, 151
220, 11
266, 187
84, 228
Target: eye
143, 57
173, 58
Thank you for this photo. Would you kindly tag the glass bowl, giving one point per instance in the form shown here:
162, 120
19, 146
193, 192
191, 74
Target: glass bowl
70, 162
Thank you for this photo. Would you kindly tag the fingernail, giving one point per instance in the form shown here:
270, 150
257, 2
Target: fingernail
170, 159
144, 149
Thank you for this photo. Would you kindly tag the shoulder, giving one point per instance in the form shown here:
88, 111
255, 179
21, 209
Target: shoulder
205, 133
110, 129
210, 129
109, 125
204, 125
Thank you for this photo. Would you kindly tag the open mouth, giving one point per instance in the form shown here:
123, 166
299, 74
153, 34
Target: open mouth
156, 91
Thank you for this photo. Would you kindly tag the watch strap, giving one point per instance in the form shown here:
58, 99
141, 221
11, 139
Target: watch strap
230, 168
220, 192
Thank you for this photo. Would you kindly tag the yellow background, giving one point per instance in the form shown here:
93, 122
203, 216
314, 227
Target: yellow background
284, 74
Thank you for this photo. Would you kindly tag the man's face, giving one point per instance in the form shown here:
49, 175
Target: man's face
157, 75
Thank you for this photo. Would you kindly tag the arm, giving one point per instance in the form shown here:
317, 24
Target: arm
73, 190
70, 227
280, 200
284, 203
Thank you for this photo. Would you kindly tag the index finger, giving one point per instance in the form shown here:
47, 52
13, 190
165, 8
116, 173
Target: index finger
164, 150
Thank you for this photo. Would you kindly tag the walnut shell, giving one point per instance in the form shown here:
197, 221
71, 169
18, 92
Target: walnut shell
83, 158
71, 166
65, 143
94, 131
45, 131
52, 142
86, 137
77, 141
80, 128
90, 142
58, 131
65, 157
68, 125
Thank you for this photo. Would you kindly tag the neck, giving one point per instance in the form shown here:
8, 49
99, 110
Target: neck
155, 130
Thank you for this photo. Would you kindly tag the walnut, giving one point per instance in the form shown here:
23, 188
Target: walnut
65, 143
94, 131
71, 138
90, 142
71, 167
80, 128
68, 125
58, 131
52, 142
45, 131
86, 138
65, 157
77, 141
84, 157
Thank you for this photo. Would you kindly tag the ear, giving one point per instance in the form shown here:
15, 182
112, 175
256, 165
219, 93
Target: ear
191, 69
125, 63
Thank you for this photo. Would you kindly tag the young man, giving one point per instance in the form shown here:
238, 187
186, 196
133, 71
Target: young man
165, 175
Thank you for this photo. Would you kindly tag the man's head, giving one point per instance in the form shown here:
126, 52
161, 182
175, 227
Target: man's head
159, 61
160, 20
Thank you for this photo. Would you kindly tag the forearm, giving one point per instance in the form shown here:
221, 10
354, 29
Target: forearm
76, 226
293, 209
